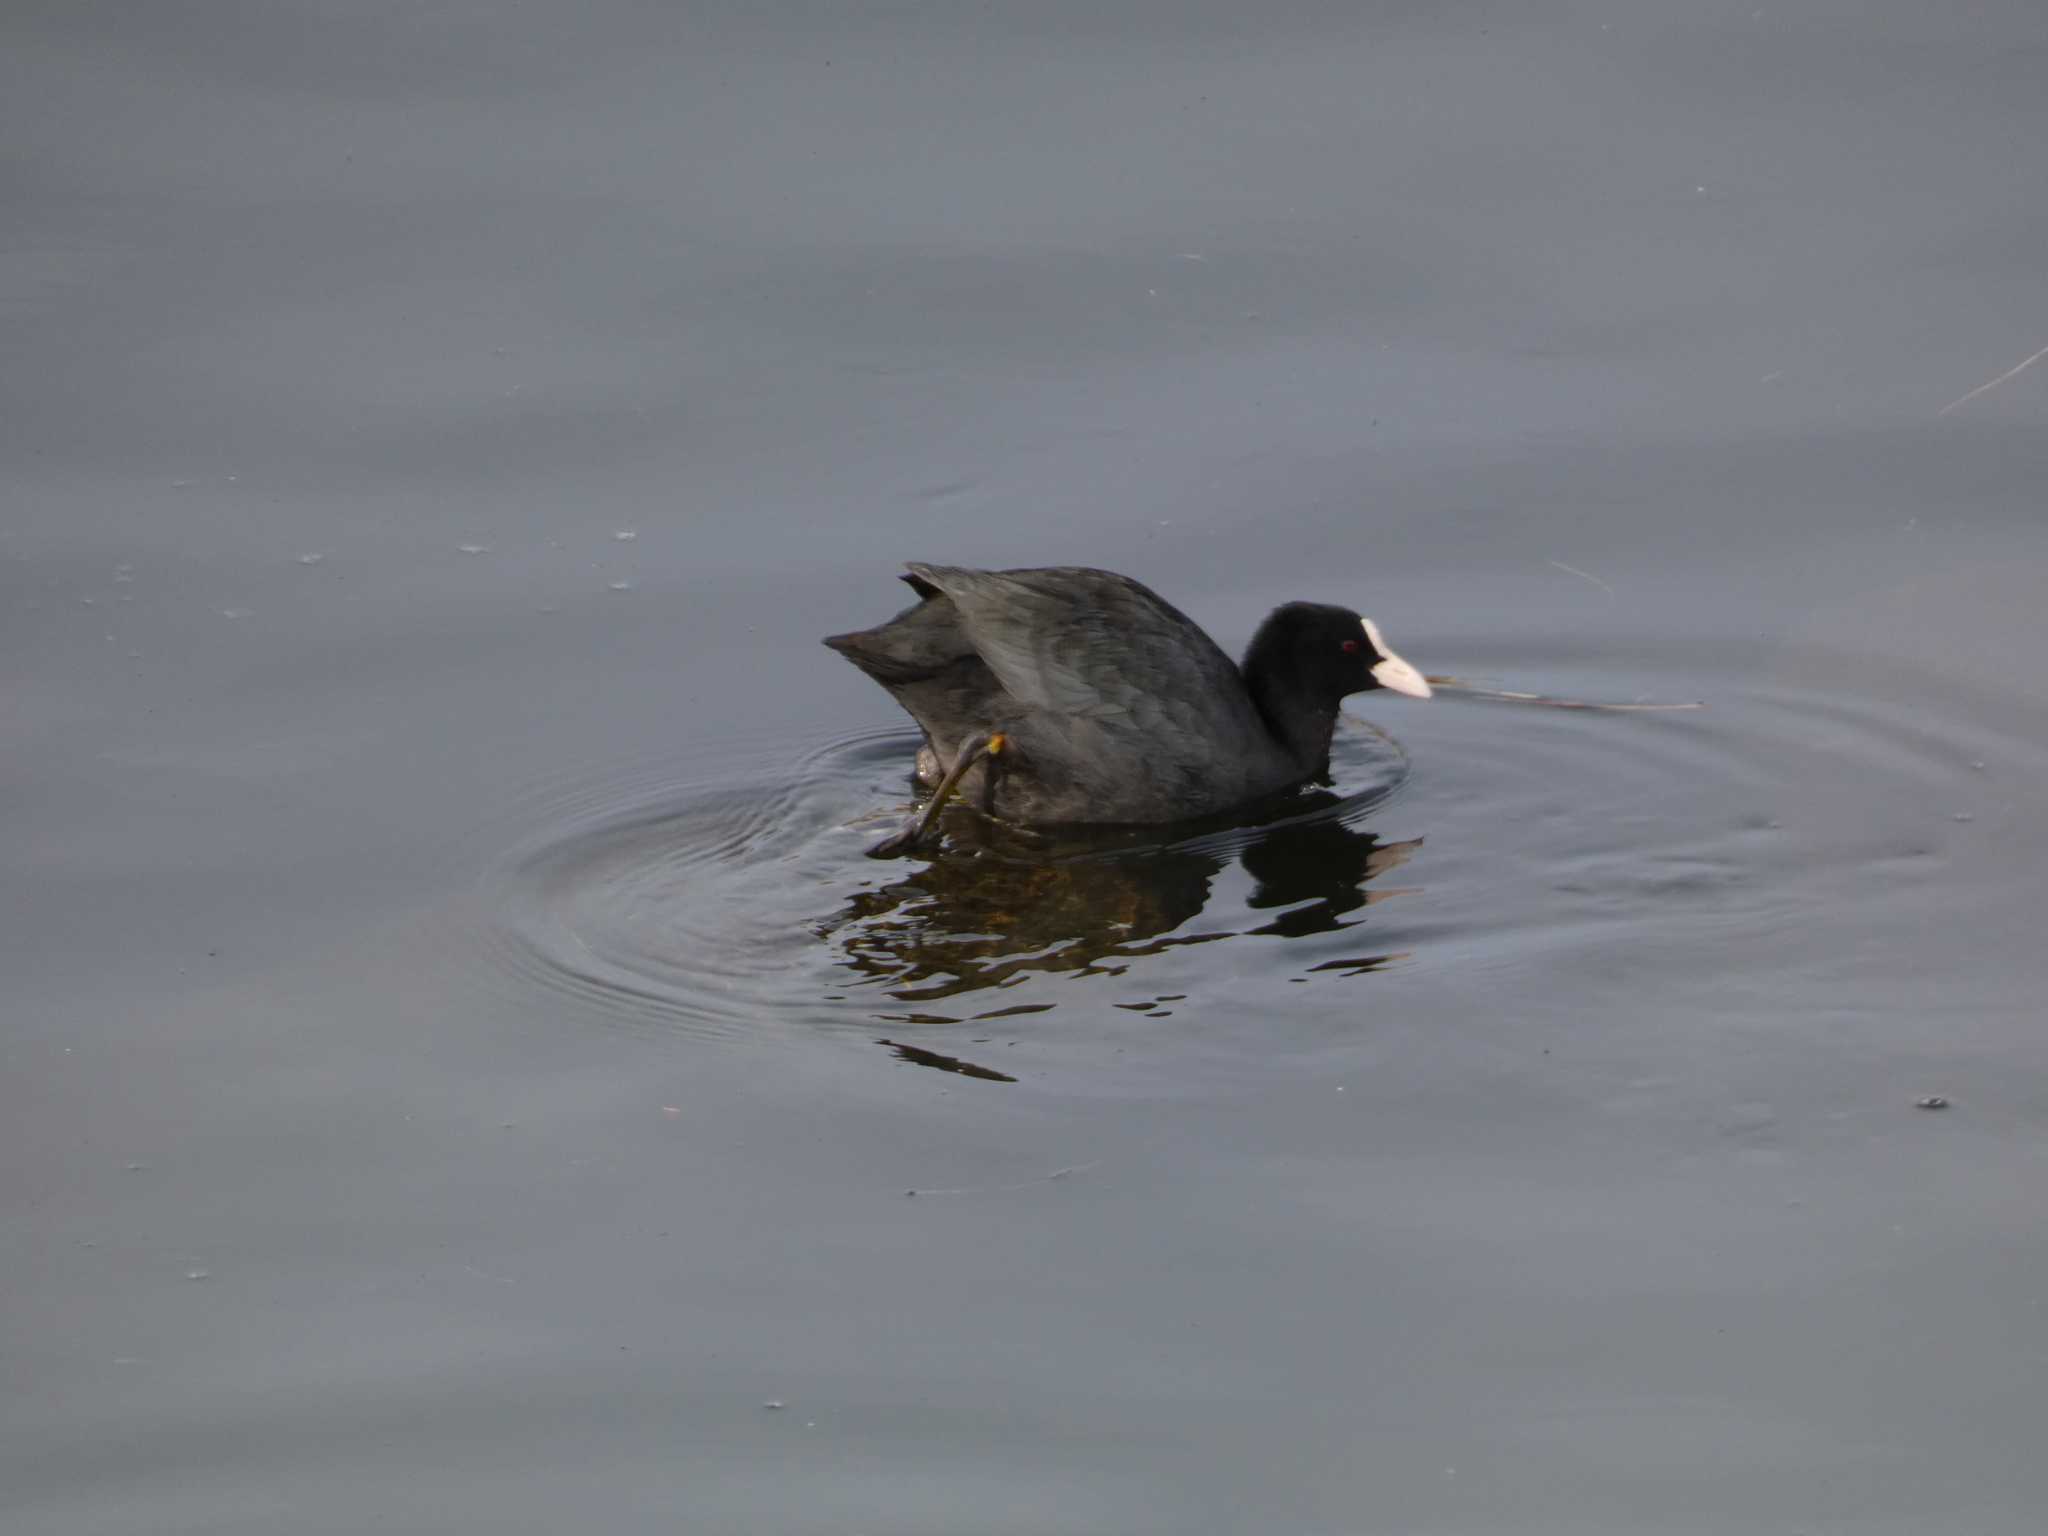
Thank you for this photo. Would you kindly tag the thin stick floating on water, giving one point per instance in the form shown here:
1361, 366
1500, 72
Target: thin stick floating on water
1587, 574
1505, 696
2010, 373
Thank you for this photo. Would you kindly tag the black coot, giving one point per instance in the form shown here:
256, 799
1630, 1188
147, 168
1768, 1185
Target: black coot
1073, 695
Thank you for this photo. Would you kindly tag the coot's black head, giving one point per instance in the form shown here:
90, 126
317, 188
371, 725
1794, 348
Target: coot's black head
1319, 654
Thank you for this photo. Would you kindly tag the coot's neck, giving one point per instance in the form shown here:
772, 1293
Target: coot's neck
1301, 722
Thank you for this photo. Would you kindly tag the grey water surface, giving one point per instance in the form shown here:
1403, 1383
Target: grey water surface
458, 1072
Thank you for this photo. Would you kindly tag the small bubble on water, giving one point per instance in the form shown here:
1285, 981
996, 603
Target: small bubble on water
619, 586
236, 613
198, 1274
124, 573
626, 535
311, 557
1978, 766
774, 1405
474, 549
1962, 816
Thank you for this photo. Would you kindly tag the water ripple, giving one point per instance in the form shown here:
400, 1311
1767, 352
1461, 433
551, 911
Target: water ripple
747, 907
1758, 848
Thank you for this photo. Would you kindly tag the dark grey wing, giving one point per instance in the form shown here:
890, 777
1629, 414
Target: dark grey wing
1092, 645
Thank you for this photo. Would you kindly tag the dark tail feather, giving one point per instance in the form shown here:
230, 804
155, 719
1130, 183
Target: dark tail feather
872, 651
918, 643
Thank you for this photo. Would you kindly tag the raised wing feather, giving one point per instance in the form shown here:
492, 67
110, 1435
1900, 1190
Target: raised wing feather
1093, 645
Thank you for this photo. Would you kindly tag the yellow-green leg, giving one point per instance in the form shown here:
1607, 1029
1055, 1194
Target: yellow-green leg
971, 752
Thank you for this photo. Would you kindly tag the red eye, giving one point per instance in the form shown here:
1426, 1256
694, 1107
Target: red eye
1350, 647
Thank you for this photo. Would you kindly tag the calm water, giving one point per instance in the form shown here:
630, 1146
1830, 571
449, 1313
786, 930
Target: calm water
461, 1073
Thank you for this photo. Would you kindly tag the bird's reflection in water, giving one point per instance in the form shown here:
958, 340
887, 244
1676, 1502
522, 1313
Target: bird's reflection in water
918, 1056
1313, 875
999, 904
